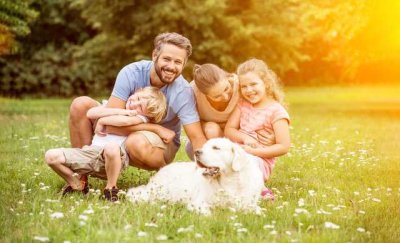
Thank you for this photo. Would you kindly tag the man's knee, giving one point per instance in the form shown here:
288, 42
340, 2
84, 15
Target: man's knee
212, 130
143, 154
54, 156
80, 106
137, 146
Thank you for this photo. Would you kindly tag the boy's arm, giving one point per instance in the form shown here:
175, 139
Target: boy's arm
120, 120
232, 132
282, 145
101, 111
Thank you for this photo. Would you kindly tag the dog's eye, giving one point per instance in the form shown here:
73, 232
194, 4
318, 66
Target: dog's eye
215, 148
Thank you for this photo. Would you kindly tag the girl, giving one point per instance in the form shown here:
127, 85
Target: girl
260, 113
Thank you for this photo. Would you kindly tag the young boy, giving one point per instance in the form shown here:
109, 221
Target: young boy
106, 157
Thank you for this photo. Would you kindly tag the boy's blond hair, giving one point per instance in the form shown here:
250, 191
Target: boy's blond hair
156, 106
271, 80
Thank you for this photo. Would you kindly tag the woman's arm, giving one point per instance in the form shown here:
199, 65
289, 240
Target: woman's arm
282, 145
101, 111
232, 132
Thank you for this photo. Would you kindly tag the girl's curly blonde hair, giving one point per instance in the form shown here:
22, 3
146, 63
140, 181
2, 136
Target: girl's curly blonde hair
271, 80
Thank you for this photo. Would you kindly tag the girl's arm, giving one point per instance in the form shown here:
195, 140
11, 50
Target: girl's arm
232, 132
282, 145
101, 111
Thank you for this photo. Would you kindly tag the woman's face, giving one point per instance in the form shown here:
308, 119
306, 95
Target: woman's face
221, 91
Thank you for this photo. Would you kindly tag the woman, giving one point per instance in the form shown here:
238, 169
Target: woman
217, 95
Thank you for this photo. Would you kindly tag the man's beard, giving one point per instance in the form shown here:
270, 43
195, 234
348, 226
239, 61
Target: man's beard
159, 73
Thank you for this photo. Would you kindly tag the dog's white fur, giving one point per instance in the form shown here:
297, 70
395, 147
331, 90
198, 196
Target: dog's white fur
238, 184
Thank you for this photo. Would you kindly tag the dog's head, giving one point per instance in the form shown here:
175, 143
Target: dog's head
220, 156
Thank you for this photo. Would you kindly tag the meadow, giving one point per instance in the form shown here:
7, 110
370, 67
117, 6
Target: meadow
340, 181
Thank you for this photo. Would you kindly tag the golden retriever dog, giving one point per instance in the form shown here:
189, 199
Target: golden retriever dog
223, 175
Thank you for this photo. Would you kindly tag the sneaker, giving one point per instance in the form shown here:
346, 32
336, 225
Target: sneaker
111, 194
84, 184
267, 194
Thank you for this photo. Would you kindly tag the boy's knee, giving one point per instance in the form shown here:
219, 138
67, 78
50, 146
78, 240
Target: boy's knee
54, 156
111, 150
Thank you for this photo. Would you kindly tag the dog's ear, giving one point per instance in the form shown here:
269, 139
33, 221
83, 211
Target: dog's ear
239, 157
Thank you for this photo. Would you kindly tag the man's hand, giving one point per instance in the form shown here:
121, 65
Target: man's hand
166, 134
100, 129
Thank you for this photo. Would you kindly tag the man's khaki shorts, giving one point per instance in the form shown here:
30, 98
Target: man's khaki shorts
156, 141
89, 160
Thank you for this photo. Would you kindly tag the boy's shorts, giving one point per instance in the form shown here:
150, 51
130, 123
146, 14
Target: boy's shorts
89, 160
156, 141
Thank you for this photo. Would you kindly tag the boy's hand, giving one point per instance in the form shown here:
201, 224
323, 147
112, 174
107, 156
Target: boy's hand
130, 113
166, 134
100, 129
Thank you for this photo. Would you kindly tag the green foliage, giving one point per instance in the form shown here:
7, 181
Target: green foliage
46, 64
305, 42
14, 20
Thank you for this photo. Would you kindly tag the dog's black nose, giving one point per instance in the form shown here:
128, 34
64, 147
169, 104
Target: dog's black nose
198, 152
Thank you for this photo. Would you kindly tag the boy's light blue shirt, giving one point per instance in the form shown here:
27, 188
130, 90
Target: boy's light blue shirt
179, 94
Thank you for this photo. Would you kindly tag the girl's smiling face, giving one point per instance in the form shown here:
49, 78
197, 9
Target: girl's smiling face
252, 88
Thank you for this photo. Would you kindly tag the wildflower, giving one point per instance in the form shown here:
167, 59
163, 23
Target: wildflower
376, 200
312, 193
88, 211
57, 215
187, 229
198, 235
242, 230
41, 238
361, 230
330, 225
151, 225
127, 227
141, 234
301, 202
162, 237
83, 217
301, 210
268, 226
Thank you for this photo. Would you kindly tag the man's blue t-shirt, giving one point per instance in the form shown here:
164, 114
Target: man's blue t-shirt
179, 94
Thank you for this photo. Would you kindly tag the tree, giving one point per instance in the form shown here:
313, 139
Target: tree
14, 20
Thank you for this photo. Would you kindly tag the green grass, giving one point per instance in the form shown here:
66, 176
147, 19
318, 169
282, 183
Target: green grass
344, 168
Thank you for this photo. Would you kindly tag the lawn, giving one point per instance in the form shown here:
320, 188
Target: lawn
339, 183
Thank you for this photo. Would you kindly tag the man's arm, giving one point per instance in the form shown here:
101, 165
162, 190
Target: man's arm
195, 135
